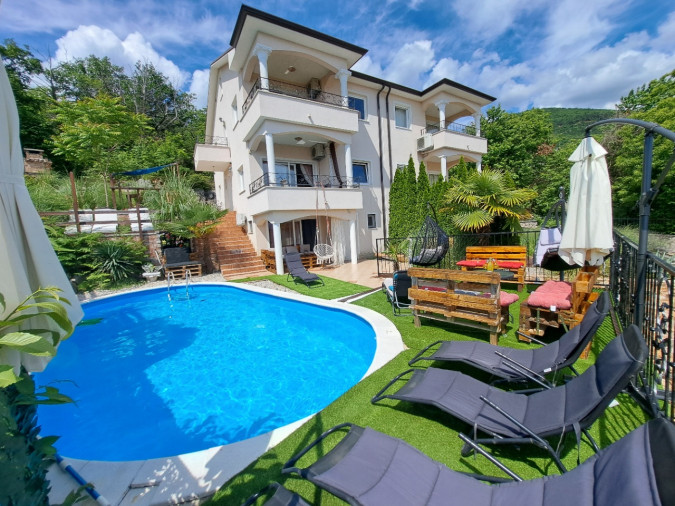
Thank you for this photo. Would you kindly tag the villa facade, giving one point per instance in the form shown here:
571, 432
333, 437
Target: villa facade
304, 149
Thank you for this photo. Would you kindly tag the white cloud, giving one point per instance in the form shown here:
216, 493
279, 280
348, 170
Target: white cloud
87, 40
410, 63
489, 19
199, 86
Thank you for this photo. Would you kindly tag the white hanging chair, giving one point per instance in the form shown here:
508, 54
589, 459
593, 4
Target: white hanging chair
324, 252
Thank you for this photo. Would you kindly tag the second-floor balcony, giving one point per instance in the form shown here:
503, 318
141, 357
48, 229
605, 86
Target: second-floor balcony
288, 192
296, 105
212, 154
454, 136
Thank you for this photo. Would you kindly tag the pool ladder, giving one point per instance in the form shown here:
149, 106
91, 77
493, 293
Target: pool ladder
171, 279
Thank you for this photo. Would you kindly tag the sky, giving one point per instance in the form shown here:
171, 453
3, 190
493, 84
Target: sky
526, 53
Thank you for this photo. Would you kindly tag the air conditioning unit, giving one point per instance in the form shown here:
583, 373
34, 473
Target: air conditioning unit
318, 152
241, 220
425, 143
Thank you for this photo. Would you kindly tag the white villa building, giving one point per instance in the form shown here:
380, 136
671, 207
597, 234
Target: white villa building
304, 149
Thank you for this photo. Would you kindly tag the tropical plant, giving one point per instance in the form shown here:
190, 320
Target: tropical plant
24, 456
121, 259
487, 200
396, 249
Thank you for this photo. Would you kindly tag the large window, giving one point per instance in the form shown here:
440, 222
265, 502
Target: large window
402, 116
358, 104
360, 172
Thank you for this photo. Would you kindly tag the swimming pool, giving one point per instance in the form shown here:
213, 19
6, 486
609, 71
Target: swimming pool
155, 378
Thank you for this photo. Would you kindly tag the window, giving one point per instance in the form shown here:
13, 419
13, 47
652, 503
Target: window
358, 104
402, 116
372, 222
250, 226
360, 172
433, 178
235, 114
401, 166
242, 185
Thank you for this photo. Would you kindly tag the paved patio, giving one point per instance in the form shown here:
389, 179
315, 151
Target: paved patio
363, 273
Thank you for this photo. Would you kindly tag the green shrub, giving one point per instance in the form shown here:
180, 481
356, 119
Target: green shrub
121, 259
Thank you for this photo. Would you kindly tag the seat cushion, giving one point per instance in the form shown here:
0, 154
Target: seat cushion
506, 298
471, 263
552, 293
509, 264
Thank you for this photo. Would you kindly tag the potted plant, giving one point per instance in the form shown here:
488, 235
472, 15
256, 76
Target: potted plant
151, 272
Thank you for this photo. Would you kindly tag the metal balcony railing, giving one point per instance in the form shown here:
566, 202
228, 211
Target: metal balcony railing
293, 90
432, 128
292, 180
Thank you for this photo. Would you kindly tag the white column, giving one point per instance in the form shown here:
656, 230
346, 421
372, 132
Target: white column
444, 167
278, 255
441, 112
262, 52
476, 121
353, 247
479, 166
271, 160
343, 75
349, 168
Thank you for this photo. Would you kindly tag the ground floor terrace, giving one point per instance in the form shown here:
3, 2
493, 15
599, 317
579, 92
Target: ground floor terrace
429, 429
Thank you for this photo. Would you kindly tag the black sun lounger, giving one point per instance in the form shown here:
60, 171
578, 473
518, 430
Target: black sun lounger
368, 468
509, 417
281, 497
514, 365
297, 271
397, 292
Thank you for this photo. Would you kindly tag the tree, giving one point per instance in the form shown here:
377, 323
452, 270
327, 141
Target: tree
32, 103
423, 196
486, 201
90, 130
403, 204
87, 78
460, 171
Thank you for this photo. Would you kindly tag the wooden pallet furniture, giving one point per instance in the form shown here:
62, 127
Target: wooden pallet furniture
270, 261
467, 298
177, 261
534, 320
512, 254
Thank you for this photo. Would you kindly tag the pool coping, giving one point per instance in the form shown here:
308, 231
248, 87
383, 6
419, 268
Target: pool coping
196, 475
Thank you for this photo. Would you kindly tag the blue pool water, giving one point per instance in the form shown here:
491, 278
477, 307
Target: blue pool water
156, 378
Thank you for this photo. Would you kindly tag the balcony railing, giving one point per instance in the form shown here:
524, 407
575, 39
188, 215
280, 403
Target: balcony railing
292, 180
432, 128
293, 90
212, 140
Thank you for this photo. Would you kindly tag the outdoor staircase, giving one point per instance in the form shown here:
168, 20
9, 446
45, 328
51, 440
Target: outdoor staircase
234, 252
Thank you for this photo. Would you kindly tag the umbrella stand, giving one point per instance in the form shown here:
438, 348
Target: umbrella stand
647, 195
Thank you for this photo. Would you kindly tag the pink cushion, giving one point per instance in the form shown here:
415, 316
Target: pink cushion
471, 263
433, 288
509, 264
552, 293
506, 298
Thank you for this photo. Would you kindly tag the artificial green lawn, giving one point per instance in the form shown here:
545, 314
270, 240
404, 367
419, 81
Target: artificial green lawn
425, 427
331, 289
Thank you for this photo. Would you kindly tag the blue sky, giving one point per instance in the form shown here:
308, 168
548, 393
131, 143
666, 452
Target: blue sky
527, 53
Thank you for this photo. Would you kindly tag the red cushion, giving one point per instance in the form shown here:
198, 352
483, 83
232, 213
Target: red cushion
552, 293
509, 264
506, 298
471, 263
433, 288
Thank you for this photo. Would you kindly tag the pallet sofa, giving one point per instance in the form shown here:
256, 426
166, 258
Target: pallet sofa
510, 258
177, 262
471, 299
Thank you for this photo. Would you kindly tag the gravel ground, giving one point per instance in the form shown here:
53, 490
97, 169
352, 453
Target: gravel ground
208, 278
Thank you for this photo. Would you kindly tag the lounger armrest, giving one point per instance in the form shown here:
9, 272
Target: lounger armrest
379, 395
477, 448
537, 439
528, 336
289, 467
525, 371
419, 355
252, 500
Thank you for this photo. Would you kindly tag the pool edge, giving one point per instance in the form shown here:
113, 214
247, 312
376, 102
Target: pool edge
199, 474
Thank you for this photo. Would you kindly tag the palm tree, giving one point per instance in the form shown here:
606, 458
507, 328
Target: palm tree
487, 199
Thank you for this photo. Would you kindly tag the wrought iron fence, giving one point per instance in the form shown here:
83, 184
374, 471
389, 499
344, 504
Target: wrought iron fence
213, 140
293, 90
657, 326
461, 128
290, 179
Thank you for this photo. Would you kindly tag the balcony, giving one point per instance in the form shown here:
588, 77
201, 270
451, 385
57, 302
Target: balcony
212, 155
289, 193
455, 137
296, 105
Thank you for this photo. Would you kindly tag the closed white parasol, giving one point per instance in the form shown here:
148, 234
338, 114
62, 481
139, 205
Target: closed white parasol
587, 235
27, 259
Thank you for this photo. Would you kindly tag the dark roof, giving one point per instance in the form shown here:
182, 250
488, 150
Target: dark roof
250, 11
366, 77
